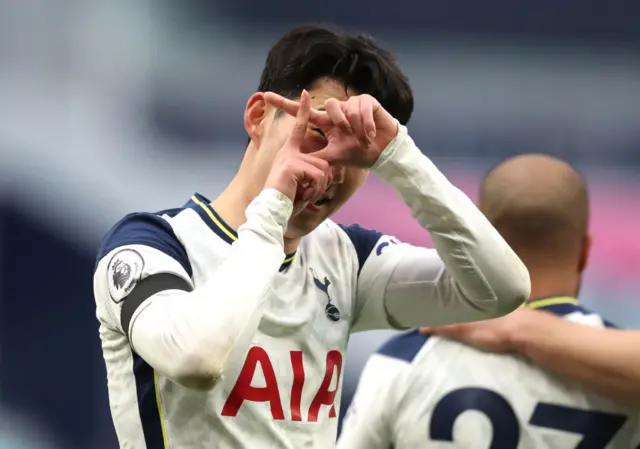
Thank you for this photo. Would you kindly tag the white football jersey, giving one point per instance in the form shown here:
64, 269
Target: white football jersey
423, 391
285, 391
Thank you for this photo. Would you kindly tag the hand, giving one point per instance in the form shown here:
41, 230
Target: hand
357, 130
303, 178
491, 335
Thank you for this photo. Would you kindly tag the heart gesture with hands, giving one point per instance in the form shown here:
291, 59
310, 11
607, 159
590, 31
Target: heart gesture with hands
303, 178
357, 130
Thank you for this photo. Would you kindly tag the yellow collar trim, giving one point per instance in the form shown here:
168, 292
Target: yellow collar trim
554, 301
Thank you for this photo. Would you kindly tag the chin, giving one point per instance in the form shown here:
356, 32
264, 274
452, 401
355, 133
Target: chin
302, 225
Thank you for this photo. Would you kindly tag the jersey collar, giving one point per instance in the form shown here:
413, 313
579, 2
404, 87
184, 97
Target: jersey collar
546, 301
202, 206
559, 305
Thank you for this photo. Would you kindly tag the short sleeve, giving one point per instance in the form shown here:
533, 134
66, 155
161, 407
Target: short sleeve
138, 247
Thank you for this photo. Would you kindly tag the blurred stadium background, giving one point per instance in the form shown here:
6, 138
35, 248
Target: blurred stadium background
108, 107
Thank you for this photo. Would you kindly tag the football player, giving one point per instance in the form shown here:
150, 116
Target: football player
604, 359
421, 390
224, 323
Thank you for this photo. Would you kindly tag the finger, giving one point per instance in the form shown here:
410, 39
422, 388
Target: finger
328, 154
314, 175
325, 179
320, 163
318, 118
280, 102
307, 195
337, 116
366, 113
355, 120
302, 120
316, 183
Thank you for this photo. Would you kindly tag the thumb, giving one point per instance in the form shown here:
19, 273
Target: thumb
328, 153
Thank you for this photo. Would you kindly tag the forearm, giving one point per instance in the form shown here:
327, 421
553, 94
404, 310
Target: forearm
484, 268
190, 336
606, 360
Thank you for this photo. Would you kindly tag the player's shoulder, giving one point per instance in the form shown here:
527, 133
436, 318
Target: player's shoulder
354, 237
155, 229
570, 309
157, 232
150, 229
404, 346
358, 240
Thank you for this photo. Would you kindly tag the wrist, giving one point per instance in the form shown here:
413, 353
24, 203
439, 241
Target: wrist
390, 150
277, 205
521, 329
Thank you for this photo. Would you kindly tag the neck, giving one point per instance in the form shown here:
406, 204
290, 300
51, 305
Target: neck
232, 203
291, 245
547, 282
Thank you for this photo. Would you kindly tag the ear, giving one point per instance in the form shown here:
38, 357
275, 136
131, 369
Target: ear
254, 114
584, 253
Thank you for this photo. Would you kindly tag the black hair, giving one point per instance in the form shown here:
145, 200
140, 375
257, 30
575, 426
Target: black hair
308, 53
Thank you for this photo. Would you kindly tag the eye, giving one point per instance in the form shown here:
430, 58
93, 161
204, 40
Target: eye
319, 131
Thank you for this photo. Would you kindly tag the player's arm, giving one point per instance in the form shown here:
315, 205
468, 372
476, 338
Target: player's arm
188, 333
484, 277
471, 275
607, 360
368, 421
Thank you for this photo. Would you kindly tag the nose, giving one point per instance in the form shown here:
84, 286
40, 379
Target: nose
338, 172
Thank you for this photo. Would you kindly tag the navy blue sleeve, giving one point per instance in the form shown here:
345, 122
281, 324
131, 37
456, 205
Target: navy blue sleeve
608, 324
404, 346
149, 230
567, 308
364, 240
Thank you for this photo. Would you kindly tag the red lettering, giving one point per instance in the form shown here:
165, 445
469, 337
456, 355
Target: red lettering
298, 383
324, 396
243, 391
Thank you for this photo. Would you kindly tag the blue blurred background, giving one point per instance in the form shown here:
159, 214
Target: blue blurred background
108, 107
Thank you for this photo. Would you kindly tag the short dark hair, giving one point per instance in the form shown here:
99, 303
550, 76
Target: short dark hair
308, 53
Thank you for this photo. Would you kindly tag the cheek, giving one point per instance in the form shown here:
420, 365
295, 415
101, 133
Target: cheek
273, 138
276, 131
354, 178
313, 142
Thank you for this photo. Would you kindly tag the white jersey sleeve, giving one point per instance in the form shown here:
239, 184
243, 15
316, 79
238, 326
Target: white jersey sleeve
187, 332
367, 423
370, 422
139, 246
472, 274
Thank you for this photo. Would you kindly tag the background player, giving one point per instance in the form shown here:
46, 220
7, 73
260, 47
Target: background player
606, 360
418, 389
224, 323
